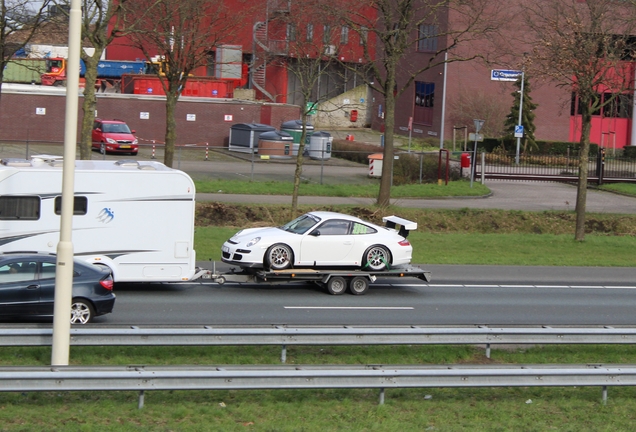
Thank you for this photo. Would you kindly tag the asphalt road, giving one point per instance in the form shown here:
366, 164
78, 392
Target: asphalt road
457, 295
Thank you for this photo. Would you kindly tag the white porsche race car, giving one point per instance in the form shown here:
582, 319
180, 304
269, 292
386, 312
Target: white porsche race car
323, 239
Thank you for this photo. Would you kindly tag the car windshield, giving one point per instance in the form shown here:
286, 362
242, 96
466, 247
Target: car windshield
301, 224
115, 128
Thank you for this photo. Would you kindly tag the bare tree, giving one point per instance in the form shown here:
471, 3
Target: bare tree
308, 62
101, 21
390, 31
583, 46
183, 33
19, 21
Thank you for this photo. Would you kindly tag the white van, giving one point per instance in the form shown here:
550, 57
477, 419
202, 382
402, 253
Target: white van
135, 217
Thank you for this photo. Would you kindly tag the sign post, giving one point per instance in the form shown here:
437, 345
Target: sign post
519, 124
478, 125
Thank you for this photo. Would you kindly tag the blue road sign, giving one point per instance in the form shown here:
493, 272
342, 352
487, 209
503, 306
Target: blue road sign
504, 75
519, 131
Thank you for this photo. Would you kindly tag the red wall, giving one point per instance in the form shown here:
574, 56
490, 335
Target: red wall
21, 123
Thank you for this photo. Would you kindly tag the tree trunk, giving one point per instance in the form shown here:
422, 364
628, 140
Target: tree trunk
171, 127
581, 190
299, 166
89, 105
384, 196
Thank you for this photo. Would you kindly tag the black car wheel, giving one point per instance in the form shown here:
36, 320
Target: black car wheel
81, 312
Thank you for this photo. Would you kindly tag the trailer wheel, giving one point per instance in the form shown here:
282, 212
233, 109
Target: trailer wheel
376, 258
359, 285
337, 285
279, 257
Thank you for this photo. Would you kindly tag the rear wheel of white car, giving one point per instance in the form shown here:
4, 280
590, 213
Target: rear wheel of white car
337, 285
81, 312
376, 258
359, 285
279, 257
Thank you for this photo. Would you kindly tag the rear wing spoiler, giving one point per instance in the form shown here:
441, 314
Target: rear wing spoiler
405, 225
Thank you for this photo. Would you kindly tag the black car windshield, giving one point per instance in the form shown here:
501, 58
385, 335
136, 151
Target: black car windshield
115, 128
301, 224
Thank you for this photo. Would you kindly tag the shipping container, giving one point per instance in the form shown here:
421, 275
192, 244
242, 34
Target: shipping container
24, 71
195, 86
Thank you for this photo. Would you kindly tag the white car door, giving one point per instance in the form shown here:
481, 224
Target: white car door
328, 244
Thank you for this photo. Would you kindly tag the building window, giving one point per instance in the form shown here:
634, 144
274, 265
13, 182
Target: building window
291, 32
310, 32
19, 207
424, 103
326, 34
344, 35
363, 35
80, 205
427, 37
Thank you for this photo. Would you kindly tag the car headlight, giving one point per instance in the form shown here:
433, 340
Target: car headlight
253, 241
111, 141
135, 141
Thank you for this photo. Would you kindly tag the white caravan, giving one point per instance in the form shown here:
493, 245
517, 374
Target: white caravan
135, 217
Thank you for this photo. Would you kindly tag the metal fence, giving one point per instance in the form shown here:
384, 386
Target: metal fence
565, 168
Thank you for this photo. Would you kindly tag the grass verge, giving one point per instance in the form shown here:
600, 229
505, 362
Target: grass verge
622, 188
444, 409
371, 190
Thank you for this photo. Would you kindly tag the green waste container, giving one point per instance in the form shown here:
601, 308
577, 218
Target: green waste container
295, 129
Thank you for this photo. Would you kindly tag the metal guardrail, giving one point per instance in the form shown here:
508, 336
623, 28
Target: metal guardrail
142, 378
324, 335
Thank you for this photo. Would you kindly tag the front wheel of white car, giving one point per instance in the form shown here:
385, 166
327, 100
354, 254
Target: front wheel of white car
376, 258
279, 257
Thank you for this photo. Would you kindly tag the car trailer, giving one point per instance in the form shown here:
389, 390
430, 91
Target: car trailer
335, 281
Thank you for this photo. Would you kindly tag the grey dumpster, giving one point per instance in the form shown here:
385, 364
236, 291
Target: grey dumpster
244, 136
295, 129
320, 145
275, 144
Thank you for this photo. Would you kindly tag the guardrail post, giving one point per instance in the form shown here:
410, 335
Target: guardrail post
283, 354
487, 350
604, 395
140, 405
382, 396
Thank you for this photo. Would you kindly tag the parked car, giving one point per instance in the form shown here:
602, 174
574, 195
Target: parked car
114, 136
27, 287
322, 239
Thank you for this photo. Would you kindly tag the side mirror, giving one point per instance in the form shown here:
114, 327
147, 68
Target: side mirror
133, 131
97, 130
315, 233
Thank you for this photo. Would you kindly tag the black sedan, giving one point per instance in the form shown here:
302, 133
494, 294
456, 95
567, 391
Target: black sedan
27, 287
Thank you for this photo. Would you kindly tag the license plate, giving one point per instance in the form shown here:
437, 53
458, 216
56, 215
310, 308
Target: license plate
225, 249
124, 146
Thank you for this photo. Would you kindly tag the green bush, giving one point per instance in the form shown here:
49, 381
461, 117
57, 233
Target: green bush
354, 151
489, 145
629, 152
406, 169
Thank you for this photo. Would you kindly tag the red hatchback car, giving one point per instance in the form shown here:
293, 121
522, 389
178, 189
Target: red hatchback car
114, 136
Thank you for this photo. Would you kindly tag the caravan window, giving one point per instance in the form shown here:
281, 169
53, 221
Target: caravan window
19, 207
80, 205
